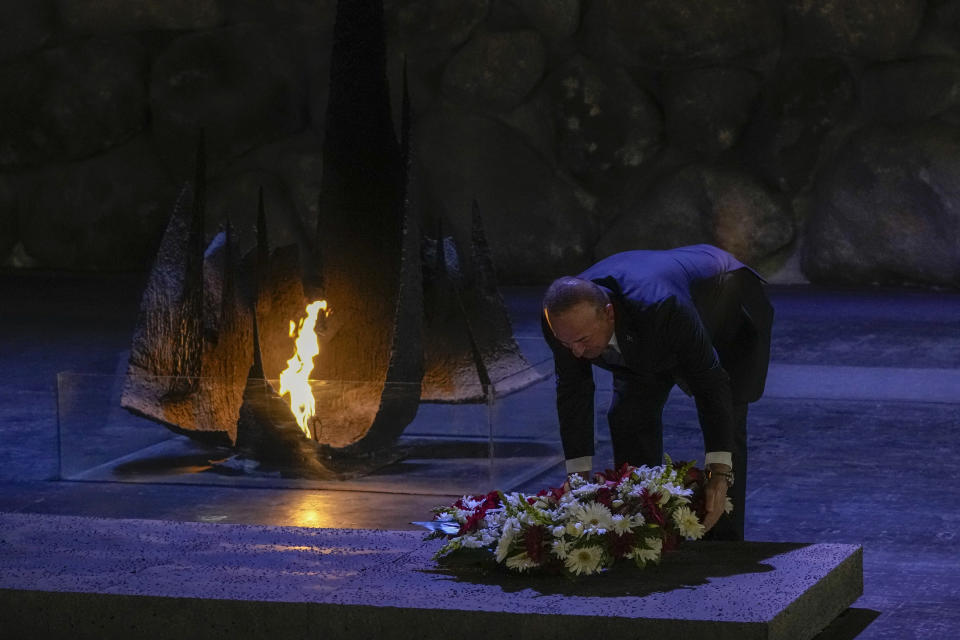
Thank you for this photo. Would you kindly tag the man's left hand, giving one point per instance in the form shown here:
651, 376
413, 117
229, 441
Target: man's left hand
715, 496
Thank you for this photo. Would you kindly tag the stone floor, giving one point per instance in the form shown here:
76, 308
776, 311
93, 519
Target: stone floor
856, 440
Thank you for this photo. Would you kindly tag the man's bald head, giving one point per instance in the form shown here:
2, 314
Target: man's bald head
580, 316
566, 292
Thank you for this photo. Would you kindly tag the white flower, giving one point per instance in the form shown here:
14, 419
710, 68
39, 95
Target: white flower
634, 491
520, 562
617, 503
585, 489
473, 542
494, 518
688, 524
677, 490
655, 544
558, 531
503, 547
510, 530
513, 499
621, 524
446, 516
560, 548
584, 560
728, 505
595, 516
575, 529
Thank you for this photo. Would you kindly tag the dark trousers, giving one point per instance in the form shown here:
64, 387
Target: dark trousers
636, 431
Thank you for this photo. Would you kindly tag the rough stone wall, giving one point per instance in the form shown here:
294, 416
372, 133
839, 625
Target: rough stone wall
816, 140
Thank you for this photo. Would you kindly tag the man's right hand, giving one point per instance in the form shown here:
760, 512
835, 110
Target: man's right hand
715, 497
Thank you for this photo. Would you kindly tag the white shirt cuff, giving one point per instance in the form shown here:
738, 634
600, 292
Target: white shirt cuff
576, 465
718, 457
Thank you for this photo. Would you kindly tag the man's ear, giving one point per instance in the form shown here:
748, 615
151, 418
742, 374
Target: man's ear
608, 312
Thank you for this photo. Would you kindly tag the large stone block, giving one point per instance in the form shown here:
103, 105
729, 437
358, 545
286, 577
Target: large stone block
805, 102
68, 577
665, 216
887, 210
24, 27
105, 213
433, 24
939, 34
862, 28
496, 70
706, 109
555, 19
906, 90
654, 33
536, 222
243, 85
72, 101
728, 208
602, 120
104, 16
313, 14
423, 35
749, 220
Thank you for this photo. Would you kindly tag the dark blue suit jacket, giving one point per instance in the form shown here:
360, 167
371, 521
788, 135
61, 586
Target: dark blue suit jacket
696, 313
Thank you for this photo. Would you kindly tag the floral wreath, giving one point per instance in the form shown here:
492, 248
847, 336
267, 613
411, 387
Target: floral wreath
583, 527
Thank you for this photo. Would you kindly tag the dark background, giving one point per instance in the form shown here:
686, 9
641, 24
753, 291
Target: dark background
817, 141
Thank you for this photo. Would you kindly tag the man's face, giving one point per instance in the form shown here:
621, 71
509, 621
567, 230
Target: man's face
583, 329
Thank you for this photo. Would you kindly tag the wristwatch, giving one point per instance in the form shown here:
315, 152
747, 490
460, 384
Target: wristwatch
726, 475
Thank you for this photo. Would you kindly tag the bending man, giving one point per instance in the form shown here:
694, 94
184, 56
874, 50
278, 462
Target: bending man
693, 316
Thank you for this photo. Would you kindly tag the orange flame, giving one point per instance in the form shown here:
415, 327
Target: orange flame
295, 379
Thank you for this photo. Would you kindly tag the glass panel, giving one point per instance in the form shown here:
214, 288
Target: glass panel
445, 449
93, 429
524, 434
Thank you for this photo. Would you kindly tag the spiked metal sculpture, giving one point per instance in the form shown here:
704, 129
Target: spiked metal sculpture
214, 332
193, 344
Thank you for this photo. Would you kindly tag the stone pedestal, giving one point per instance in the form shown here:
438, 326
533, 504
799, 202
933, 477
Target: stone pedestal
72, 577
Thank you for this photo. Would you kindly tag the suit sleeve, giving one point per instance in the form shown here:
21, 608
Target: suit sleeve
574, 379
699, 365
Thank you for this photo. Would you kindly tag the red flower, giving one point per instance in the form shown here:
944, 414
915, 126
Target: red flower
487, 502
694, 477
651, 507
471, 522
533, 542
620, 543
553, 492
615, 477
605, 497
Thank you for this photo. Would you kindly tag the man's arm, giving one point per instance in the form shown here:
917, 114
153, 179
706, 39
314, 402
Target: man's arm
700, 367
575, 389
710, 386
